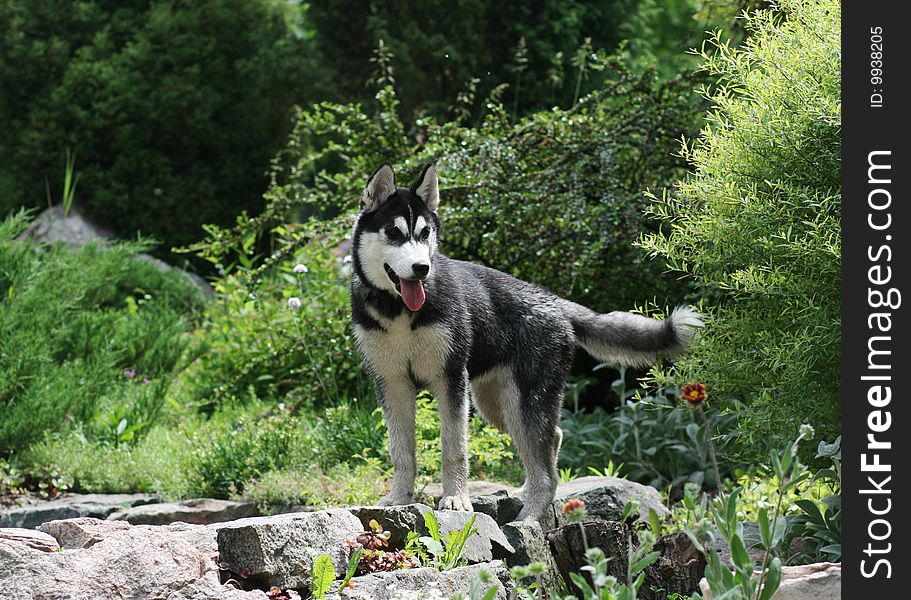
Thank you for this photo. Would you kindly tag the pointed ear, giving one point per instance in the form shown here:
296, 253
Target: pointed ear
380, 186
427, 188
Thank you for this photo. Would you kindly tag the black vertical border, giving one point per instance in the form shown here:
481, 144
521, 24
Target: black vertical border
866, 129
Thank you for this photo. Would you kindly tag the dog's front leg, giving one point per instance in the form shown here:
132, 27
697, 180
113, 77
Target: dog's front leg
397, 397
452, 399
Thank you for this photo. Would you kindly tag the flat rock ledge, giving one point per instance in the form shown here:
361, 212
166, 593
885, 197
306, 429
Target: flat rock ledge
116, 554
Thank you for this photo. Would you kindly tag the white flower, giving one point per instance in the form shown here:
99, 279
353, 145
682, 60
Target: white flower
301, 268
294, 302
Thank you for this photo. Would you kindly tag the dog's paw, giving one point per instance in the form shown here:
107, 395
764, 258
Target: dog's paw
455, 503
394, 500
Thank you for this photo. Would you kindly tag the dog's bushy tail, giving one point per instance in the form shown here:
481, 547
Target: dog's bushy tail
631, 340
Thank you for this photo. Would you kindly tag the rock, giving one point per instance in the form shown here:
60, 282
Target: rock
527, 538
605, 498
504, 508
479, 547
71, 506
200, 511
280, 550
750, 539
475, 489
51, 226
83, 532
425, 584
820, 581
35, 540
399, 520
175, 562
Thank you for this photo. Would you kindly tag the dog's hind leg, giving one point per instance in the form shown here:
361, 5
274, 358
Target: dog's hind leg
533, 420
397, 397
452, 399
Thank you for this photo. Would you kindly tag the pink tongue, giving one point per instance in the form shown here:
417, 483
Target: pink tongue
412, 294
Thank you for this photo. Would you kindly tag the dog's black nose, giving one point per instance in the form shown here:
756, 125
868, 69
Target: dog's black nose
420, 269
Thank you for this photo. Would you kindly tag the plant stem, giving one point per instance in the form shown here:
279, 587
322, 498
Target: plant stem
711, 447
768, 551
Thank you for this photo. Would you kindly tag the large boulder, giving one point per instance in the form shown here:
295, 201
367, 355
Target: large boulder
280, 550
425, 584
199, 511
530, 545
605, 498
71, 506
175, 562
820, 581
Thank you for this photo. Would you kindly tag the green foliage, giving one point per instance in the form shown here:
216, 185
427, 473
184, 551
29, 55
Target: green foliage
168, 105
160, 462
322, 577
443, 46
743, 583
244, 450
757, 224
254, 344
444, 552
657, 442
590, 163
819, 526
73, 324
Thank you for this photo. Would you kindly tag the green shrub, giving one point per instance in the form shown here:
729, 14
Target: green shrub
73, 324
658, 443
158, 463
172, 110
438, 50
228, 455
757, 224
554, 198
252, 344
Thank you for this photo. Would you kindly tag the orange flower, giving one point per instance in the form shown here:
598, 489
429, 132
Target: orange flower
574, 509
694, 393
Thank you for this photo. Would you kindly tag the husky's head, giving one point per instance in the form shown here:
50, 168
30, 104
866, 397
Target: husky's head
395, 239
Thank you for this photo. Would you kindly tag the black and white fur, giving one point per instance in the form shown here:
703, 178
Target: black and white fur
480, 334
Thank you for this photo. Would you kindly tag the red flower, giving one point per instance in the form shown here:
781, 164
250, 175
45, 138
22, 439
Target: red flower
694, 393
574, 509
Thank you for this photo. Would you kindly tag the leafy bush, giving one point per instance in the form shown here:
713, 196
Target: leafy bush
757, 224
252, 345
72, 323
658, 443
447, 47
590, 163
166, 106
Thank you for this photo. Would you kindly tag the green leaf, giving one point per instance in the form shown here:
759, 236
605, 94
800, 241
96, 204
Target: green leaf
772, 580
432, 525
322, 577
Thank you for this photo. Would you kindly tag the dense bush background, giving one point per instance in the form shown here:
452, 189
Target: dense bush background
757, 223
173, 110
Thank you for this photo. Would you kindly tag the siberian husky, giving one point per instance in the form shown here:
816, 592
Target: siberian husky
425, 321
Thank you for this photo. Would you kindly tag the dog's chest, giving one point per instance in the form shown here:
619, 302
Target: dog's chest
400, 351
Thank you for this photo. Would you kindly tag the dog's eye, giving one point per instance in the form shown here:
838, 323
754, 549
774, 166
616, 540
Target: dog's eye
394, 233
425, 233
